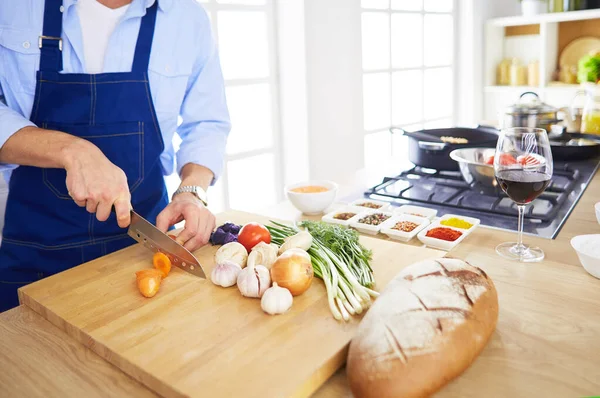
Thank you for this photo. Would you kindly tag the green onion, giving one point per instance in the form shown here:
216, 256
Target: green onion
340, 261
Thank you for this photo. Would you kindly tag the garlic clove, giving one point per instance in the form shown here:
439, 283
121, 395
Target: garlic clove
253, 281
263, 254
225, 274
276, 300
234, 252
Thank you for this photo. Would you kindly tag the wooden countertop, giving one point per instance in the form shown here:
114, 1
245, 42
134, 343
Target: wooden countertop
546, 342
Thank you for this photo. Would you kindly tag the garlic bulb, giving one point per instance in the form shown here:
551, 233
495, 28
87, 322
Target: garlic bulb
253, 281
302, 240
225, 274
233, 252
276, 300
263, 254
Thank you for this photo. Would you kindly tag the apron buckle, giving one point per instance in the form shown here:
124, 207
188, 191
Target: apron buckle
42, 38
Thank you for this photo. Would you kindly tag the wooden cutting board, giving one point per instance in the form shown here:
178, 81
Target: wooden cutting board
196, 339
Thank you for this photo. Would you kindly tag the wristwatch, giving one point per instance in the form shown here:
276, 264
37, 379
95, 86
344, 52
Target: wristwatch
199, 192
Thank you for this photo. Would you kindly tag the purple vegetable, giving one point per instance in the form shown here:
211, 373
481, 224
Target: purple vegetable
224, 234
230, 238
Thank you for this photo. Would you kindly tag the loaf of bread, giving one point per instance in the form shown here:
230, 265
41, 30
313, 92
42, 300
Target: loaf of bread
426, 328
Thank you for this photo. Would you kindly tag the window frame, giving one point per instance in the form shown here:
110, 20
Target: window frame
390, 70
213, 7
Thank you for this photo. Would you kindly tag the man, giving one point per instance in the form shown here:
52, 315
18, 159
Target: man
87, 122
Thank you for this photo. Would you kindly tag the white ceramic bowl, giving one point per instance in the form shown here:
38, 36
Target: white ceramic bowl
387, 227
583, 245
597, 207
383, 206
440, 243
330, 217
312, 203
366, 228
416, 211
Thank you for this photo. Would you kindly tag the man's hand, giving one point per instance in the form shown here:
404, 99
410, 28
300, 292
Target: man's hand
95, 183
199, 221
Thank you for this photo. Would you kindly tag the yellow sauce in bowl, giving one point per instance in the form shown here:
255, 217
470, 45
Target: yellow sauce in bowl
310, 189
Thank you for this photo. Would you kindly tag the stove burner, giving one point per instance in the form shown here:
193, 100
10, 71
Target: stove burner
448, 188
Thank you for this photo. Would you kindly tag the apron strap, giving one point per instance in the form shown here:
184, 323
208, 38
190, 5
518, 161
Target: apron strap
143, 46
50, 42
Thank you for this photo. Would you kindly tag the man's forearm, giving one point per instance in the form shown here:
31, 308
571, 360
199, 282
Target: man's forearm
193, 174
32, 146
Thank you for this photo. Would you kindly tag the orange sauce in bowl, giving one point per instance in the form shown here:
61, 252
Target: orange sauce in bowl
310, 189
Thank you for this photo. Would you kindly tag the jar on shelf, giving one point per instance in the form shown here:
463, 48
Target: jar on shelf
503, 73
533, 74
574, 5
518, 73
555, 6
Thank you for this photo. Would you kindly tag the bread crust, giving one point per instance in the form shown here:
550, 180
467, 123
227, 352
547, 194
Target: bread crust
425, 329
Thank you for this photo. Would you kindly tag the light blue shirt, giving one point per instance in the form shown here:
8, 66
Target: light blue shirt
184, 73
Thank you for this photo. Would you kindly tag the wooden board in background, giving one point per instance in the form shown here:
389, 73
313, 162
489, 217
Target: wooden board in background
522, 30
196, 339
571, 30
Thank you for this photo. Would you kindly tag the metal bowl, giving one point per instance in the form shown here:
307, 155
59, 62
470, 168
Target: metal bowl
473, 167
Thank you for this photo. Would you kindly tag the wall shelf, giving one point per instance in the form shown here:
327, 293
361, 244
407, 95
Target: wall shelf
533, 38
545, 18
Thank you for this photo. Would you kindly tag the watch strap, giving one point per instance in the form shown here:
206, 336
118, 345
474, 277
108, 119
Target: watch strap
197, 191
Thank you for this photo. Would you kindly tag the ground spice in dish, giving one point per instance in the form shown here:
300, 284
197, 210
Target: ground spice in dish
456, 222
405, 226
444, 234
374, 219
370, 205
344, 216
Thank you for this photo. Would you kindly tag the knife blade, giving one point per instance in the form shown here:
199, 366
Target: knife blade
152, 238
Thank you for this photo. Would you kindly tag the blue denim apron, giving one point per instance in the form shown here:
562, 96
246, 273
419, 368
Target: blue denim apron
45, 232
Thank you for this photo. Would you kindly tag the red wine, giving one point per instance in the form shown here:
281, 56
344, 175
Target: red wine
522, 186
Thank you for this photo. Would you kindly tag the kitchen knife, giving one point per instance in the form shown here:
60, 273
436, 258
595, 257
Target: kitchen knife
147, 234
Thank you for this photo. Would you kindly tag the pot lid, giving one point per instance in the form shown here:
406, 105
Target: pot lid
534, 107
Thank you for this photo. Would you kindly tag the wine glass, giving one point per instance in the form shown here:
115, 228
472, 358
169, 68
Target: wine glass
523, 168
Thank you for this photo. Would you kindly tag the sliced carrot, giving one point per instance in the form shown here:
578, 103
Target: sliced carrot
149, 285
148, 273
172, 237
162, 263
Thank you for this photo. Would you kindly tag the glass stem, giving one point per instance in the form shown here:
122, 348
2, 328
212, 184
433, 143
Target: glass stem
520, 246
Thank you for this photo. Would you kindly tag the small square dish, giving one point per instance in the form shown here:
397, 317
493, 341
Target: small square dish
342, 215
467, 224
437, 242
370, 222
369, 204
403, 227
416, 211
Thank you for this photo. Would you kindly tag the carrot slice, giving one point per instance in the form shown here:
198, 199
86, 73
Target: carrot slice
172, 236
162, 263
148, 273
149, 285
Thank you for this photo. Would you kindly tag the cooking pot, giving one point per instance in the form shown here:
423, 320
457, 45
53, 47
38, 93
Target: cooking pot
426, 148
535, 114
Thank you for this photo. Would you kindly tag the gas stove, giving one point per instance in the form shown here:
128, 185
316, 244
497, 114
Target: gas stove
447, 192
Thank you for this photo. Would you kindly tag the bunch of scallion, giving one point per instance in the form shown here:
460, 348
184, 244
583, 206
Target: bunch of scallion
340, 260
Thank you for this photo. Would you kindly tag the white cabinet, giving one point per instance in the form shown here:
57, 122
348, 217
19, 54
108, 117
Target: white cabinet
532, 38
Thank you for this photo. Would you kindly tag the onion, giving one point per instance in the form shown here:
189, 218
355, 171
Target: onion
293, 271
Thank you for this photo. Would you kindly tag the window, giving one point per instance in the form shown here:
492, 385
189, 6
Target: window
244, 30
408, 70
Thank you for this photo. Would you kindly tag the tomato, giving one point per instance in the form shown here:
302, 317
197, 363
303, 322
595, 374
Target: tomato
506, 159
490, 160
252, 234
528, 160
